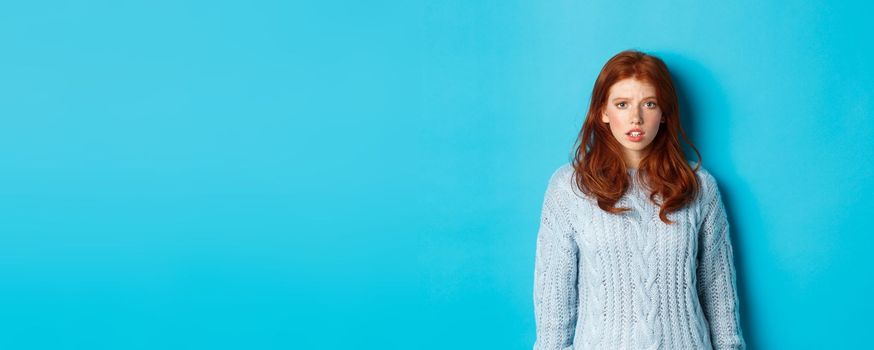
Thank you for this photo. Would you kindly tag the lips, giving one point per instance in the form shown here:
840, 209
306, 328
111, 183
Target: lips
637, 135
638, 130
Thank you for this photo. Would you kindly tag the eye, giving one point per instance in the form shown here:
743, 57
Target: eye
620, 105
650, 104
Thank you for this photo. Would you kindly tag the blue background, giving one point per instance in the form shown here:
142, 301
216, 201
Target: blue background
266, 174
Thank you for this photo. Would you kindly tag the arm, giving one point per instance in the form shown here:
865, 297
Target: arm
717, 288
555, 275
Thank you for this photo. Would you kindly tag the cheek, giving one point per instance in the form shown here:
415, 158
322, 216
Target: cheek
654, 120
653, 132
616, 116
611, 113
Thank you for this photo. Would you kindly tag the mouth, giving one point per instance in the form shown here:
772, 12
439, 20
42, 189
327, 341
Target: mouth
635, 135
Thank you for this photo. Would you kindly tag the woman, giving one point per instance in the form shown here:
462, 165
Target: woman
633, 249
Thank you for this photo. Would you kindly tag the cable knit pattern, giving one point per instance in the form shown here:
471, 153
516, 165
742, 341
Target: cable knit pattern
630, 281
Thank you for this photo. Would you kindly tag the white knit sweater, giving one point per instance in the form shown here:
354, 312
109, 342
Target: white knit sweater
630, 281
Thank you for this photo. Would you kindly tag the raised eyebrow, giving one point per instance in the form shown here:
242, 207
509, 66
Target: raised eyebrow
626, 98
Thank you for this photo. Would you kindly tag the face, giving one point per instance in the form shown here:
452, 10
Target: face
632, 107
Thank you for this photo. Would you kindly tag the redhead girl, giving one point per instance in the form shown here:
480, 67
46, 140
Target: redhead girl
633, 249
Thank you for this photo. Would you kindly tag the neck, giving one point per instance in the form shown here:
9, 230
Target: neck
632, 158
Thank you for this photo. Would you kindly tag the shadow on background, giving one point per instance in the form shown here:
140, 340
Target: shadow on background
711, 136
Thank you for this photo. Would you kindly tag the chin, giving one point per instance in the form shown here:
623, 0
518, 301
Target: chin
637, 147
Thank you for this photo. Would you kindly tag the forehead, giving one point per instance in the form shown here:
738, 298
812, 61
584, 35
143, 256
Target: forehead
631, 87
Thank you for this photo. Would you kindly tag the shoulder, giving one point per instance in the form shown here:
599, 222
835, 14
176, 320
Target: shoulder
709, 184
563, 184
562, 178
704, 175
563, 172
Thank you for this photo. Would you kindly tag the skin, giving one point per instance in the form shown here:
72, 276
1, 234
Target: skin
632, 103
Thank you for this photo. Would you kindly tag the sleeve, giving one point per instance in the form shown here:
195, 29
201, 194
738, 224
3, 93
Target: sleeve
717, 286
555, 276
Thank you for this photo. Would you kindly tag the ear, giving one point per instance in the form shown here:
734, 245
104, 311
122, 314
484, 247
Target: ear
605, 118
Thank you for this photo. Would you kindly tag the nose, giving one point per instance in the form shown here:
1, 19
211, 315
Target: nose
636, 116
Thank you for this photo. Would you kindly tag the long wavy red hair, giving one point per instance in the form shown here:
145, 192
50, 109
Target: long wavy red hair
598, 156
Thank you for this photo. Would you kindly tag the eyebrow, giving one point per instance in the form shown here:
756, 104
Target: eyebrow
626, 98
